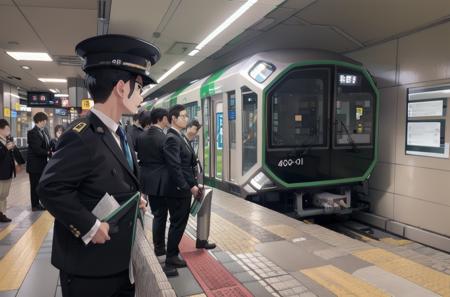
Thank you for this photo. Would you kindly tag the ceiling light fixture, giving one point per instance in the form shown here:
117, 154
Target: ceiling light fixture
54, 91
25, 67
29, 56
170, 71
53, 80
223, 26
61, 95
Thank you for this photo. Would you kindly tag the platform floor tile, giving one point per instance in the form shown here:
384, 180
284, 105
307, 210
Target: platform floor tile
421, 275
342, 283
392, 283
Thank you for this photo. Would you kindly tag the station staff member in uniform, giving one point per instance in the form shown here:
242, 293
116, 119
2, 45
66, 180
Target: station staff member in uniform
94, 158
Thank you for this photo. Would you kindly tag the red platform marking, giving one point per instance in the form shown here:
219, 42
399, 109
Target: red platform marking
212, 276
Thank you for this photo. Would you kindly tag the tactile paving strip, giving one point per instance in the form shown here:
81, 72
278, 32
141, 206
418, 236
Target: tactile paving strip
214, 279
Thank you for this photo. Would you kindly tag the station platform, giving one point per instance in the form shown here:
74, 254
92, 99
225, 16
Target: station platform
259, 253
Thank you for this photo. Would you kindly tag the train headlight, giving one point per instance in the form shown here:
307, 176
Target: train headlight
261, 181
261, 71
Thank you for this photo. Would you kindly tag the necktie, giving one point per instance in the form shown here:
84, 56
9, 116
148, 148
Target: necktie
45, 137
125, 148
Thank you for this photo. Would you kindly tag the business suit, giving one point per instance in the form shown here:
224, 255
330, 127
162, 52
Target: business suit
133, 133
181, 164
88, 163
154, 179
37, 156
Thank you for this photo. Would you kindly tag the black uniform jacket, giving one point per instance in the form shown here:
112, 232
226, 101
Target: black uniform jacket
38, 151
181, 165
7, 165
133, 133
150, 150
87, 164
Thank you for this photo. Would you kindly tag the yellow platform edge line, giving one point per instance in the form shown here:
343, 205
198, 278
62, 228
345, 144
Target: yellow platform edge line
419, 274
7, 230
342, 283
15, 264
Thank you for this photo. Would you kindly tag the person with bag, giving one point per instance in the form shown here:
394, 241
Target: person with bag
11, 162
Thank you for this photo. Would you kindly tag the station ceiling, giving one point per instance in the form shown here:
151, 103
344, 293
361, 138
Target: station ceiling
177, 26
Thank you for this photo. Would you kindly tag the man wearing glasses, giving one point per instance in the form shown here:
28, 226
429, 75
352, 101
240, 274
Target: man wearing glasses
94, 157
181, 165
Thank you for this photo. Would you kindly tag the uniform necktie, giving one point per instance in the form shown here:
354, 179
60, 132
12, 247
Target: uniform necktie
125, 148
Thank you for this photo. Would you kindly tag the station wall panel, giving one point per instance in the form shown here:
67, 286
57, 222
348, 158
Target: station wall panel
406, 188
422, 214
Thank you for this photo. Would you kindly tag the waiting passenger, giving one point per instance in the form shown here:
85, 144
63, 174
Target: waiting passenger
37, 155
154, 177
136, 129
10, 157
59, 130
192, 130
181, 164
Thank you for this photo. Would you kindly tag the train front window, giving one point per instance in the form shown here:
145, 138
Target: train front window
299, 109
354, 109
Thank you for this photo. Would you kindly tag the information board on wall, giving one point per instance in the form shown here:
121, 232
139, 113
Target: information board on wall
426, 120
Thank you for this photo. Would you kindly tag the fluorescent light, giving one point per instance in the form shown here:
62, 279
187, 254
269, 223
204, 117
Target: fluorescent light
12, 95
25, 67
193, 53
29, 56
169, 72
61, 95
53, 80
224, 25
53, 91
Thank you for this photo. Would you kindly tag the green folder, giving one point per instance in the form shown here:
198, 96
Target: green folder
117, 214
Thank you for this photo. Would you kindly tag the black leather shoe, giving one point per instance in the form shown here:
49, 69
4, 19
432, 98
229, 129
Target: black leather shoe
4, 219
170, 271
176, 262
160, 252
204, 244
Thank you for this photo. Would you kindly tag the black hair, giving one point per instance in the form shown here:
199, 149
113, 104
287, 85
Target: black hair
3, 123
175, 110
39, 117
136, 117
195, 123
145, 118
158, 114
59, 127
101, 81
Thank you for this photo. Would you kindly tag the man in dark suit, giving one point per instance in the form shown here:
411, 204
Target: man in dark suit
154, 177
181, 165
94, 157
136, 129
9, 157
37, 155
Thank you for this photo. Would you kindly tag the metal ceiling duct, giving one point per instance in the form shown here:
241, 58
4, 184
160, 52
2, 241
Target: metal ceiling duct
103, 14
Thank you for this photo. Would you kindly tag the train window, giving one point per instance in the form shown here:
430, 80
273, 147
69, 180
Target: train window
261, 71
298, 109
249, 128
206, 140
191, 110
354, 109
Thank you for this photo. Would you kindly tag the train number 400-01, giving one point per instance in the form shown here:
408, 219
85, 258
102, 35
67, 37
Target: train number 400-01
290, 162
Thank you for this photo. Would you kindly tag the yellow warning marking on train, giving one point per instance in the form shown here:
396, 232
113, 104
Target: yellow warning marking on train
397, 242
7, 230
421, 275
15, 264
342, 283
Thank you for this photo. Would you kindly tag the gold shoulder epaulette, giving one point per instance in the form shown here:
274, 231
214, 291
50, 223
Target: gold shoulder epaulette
79, 127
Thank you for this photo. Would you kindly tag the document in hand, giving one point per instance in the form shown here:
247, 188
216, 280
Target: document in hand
198, 203
110, 211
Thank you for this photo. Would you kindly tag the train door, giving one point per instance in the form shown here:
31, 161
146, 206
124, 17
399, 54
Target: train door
217, 137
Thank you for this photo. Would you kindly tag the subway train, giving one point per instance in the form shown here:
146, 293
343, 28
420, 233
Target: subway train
293, 128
